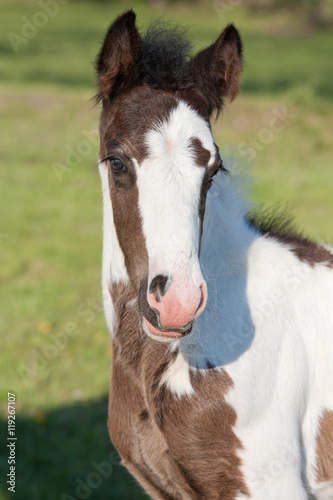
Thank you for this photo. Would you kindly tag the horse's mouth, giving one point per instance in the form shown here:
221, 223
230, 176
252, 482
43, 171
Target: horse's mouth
166, 334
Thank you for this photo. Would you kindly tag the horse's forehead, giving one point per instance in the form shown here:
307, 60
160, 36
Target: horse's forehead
182, 133
153, 123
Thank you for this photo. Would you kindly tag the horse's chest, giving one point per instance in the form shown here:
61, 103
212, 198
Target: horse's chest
185, 446
141, 444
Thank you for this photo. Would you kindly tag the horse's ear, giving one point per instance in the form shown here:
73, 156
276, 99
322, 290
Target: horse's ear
217, 69
119, 53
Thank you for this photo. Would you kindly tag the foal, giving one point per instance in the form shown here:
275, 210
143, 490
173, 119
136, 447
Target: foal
222, 331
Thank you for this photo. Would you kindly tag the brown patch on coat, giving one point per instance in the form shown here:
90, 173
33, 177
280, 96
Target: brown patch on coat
127, 220
176, 448
132, 429
325, 447
305, 250
279, 224
312, 253
128, 120
196, 101
202, 160
201, 155
206, 183
199, 432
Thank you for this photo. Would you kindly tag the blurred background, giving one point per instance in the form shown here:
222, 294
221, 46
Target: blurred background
54, 346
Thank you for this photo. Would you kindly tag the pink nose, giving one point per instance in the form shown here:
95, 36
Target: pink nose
176, 308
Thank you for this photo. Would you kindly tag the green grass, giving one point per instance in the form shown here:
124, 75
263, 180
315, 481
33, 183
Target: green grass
50, 230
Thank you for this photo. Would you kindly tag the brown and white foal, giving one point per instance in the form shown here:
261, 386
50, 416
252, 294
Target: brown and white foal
222, 332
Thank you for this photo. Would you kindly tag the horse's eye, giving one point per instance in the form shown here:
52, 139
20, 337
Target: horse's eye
218, 167
213, 174
117, 165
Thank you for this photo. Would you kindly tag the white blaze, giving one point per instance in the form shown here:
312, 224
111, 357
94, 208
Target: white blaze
169, 183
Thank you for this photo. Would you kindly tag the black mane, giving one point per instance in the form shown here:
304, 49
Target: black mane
164, 53
277, 223
165, 50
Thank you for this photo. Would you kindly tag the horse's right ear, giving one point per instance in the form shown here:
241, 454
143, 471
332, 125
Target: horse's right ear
119, 53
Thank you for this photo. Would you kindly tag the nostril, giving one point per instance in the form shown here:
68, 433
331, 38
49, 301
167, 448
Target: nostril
203, 300
159, 286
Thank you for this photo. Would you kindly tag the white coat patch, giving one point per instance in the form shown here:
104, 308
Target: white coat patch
113, 267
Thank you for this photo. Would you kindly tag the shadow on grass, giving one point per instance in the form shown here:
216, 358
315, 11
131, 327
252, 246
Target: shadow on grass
66, 454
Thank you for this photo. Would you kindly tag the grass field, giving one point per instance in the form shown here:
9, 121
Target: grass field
54, 347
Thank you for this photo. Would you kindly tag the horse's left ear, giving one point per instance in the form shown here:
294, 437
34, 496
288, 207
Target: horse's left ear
217, 69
